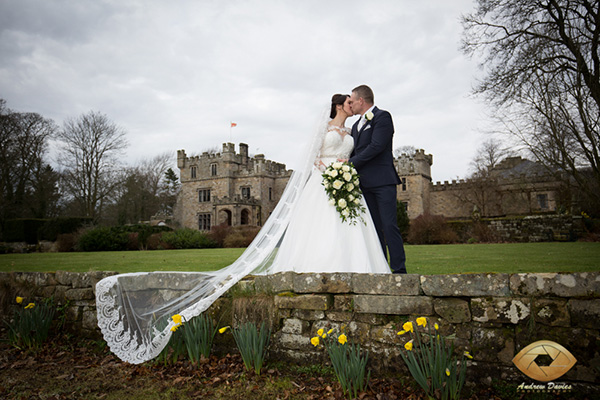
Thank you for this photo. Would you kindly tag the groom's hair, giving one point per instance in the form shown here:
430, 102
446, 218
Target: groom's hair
366, 93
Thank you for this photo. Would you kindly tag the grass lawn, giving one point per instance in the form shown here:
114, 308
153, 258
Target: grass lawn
425, 260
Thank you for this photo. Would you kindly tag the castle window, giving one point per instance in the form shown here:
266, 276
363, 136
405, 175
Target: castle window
204, 222
403, 183
245, 192
405, 204
270, 193
213, 169
204, 195
542, 200
193, 172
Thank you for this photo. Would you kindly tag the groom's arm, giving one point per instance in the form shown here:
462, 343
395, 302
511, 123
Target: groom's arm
381, 137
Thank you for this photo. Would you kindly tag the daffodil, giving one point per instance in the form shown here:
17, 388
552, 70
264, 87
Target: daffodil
408, 326
330, 331
409, 345
342, 339
19, 300
468, 355
436, 326
176, 318
315, 341
422, 321
320, 332
401, 332
175, 327
447, 372
223, 329
30, 305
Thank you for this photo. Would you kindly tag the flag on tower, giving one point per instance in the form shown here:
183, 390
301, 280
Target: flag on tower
233, 124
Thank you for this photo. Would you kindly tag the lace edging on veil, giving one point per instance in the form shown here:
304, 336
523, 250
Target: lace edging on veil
134, 310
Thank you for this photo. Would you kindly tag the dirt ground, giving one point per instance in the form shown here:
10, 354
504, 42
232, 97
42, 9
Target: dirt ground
70, 368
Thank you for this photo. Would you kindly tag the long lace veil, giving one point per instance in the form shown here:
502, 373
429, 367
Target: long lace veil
135, 309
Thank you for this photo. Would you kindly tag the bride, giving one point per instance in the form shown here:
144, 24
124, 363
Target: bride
303, 234
316, 239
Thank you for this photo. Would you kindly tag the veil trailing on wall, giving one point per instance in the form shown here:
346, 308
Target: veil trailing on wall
135, 310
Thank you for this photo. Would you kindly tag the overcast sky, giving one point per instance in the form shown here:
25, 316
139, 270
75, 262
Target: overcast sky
174, 74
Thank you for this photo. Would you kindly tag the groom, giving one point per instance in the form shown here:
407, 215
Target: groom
373, 159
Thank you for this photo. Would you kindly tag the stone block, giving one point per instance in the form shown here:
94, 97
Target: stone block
386, 284
308, 315
552, 312
89, 319
276, 283
339, 316
35, 278
357, 332
292, 341
585, 313
80, 294
452, 310
580, 284
493, 344
303, 302
343, 302
500, 309
295, 326
384, 334
398, 305
466, 285
323, 283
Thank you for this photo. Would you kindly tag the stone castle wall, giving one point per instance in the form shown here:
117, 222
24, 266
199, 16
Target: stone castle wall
493, 316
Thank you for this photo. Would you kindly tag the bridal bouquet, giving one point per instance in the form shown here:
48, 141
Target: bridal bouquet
340, 180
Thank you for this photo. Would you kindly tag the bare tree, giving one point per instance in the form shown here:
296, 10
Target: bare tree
487, 157
90, 151
28, 185
408, 150
542, 76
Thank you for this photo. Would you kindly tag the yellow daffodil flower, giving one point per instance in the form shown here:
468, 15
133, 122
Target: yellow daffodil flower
447, 372
436, 326
315, 341
320, 332
422, 321
223, 329
176, 318
401, 332
30, 305
19, 300
408, 326
468, 355
330, 331
409, 345
175, 327
342, 339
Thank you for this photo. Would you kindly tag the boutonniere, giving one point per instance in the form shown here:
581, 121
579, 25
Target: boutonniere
369, 116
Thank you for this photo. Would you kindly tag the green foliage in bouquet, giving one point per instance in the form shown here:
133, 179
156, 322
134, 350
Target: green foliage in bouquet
340, 180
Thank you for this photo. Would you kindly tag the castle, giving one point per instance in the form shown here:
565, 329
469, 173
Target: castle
237, 189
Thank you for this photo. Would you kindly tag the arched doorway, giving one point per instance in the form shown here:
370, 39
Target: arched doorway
245, 220
225, 217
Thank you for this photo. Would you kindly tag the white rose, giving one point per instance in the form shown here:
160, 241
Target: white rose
332, 202
342, 203
347, 176
337, 165
350, 198
333, 173
346, 168
345, 212
356, 201
337, 184
350, 187
356, 182
369, 116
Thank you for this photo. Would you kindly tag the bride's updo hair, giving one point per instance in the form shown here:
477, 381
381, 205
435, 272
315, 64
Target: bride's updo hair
335, 100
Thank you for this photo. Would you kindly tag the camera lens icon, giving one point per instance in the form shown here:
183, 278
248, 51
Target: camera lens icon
562, 360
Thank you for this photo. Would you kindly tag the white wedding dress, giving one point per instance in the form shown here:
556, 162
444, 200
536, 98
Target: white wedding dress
317, 240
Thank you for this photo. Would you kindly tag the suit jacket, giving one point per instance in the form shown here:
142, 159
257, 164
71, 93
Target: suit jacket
372, 155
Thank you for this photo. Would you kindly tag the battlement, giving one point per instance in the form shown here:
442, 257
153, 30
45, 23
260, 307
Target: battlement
418, 163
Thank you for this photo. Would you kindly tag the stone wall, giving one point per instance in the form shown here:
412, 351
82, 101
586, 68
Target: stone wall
493, 316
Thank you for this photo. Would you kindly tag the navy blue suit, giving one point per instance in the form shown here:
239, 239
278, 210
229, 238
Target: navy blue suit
374, 161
